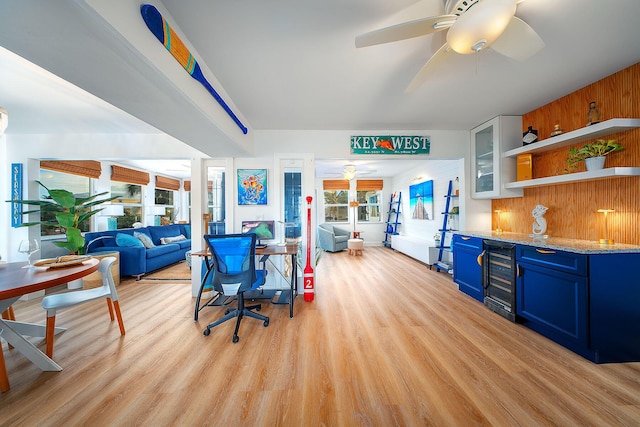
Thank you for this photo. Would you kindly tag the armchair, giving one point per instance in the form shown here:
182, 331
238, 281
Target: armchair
332, 239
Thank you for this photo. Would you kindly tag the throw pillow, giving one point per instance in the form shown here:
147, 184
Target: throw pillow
127, 240
144, 239
187, 230
165, 240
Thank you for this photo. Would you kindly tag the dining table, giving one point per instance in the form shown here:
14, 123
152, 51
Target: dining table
18, 279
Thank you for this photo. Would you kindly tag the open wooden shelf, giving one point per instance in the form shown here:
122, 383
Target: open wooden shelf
584, 134
606, 173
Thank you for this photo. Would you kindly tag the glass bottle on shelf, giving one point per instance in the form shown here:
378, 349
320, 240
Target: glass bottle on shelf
593, 116
530, 136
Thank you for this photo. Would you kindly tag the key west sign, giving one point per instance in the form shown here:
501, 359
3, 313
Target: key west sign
390, 144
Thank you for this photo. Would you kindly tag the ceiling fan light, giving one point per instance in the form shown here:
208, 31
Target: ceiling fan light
485, 21
349, 175
349, 172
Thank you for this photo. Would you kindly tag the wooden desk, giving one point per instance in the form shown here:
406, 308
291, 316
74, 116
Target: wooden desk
276, 296
15, 282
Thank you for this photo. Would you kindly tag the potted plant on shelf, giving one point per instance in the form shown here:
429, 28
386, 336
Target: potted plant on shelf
69, 211
592, 154
437, 238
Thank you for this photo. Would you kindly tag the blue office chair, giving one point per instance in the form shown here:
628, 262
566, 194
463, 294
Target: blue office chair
234, 273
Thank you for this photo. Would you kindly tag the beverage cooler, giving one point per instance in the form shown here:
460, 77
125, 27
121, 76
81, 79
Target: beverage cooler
499, 278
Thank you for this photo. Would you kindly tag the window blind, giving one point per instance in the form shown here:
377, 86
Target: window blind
335, 184
88, 168
131, 176
368, 184
167, 183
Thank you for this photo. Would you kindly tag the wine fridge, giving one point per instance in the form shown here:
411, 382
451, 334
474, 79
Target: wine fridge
499, 278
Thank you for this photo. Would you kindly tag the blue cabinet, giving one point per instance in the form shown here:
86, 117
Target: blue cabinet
552, 295
615, 307
467, 272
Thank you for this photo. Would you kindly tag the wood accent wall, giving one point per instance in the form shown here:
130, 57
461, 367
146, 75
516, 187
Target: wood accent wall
573, 207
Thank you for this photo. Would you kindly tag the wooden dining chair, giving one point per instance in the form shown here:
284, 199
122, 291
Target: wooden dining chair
9, 314
4, 378
53, 303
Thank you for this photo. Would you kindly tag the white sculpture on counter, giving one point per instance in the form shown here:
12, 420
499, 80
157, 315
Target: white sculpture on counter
539, 223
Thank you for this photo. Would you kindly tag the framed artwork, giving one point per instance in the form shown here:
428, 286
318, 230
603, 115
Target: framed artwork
421, 200
252, 186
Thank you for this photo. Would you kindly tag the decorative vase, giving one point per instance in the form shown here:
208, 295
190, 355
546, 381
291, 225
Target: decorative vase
594, 163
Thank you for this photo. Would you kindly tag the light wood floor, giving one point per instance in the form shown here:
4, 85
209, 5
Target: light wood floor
386, 342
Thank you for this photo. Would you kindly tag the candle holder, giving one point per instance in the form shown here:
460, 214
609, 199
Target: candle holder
605, 240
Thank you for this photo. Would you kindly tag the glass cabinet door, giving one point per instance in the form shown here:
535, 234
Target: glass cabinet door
483, 179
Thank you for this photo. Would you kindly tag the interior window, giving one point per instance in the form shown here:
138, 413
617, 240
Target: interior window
369, 205
215, 199
336, 206
130, 196
78, 185
292, 200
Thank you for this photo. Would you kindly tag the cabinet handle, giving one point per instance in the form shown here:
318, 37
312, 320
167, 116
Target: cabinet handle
465, 238
545, 251
518, 270
479, 259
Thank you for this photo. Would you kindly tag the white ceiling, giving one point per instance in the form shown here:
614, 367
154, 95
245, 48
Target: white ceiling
292, 64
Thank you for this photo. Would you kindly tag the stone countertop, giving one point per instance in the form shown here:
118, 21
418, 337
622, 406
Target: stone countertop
558, 243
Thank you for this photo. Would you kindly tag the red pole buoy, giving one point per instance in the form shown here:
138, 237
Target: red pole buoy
308, 270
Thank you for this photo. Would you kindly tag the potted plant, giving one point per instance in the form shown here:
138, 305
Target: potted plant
70, 213
590, 152
437, 238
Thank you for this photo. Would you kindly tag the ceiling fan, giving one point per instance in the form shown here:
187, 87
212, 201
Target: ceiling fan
473, 25
351, 171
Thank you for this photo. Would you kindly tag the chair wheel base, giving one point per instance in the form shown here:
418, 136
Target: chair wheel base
235, 339
266, 323
206, 332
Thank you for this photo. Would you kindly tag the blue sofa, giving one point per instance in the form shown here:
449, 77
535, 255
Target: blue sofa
138, 260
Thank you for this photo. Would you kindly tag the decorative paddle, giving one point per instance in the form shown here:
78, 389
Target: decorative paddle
165, 34
308, 270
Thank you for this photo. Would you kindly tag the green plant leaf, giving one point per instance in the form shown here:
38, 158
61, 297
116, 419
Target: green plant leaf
66, 219
63, 198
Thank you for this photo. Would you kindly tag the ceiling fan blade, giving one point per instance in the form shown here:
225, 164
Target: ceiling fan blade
406, 30
518, 41
440, 56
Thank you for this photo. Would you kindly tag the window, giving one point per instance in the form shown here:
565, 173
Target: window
78, 185
369, 205
369, 196
130, 196
292, 200
336, 205
164, 197
215, 194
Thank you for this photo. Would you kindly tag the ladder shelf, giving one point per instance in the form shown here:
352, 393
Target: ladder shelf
392, 218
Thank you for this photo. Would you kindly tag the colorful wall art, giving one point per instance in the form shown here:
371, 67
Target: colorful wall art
252, 186
421, 200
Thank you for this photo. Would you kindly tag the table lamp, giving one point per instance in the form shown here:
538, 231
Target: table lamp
499, 228
111, 212
605, 240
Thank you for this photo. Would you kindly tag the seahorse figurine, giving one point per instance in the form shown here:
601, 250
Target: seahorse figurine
539, 223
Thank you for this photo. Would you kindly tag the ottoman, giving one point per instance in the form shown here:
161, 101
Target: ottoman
355, 246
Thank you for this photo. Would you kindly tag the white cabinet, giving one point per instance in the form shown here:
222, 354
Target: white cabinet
489, 168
